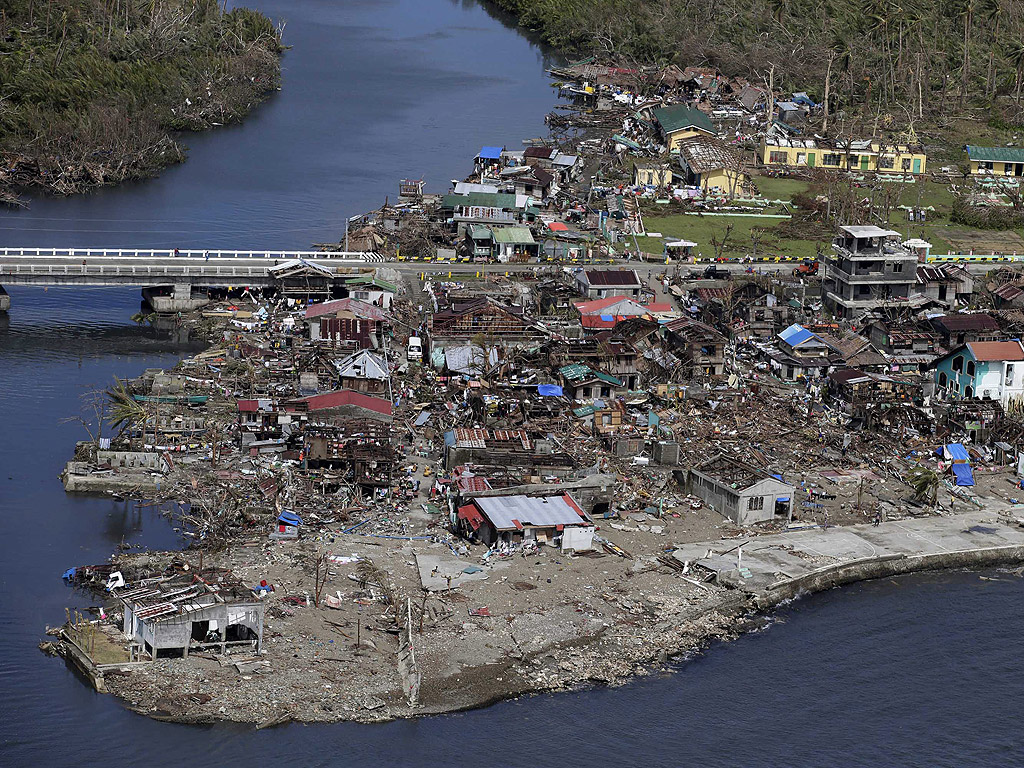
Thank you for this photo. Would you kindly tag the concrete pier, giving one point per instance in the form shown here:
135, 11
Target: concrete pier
779, 567
5, 300
180, 300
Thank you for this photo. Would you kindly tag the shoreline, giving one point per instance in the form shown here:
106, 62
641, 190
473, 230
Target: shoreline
600, 658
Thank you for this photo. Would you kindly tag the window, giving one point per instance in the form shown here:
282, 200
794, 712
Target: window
943, 379
886, 161
755, 503
801, 158
897, 267
831, 158
905, 165
854, 161
778, 156
1009, 374
958, 364
970, 368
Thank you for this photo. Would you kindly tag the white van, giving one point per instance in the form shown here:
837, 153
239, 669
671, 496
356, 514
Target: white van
415, 351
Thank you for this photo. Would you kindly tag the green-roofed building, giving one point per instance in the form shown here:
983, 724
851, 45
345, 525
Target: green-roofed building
680, 122
372, 290
515, 244
996, 161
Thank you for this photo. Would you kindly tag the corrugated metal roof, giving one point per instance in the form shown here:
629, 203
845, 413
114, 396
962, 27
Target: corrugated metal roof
995, 351
514, 235
505, 511
996, 154
795, 334
680, 116
616, 277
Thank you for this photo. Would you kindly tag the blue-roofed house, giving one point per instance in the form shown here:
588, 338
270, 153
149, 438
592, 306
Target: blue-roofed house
487, 158
801, 353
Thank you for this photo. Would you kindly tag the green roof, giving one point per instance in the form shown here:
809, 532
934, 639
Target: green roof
479, 232
514, 235
384, 285
579, 372
679, 117
996, 154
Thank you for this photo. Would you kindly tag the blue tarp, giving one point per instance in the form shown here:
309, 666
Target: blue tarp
964, 475
289, 518
957, 452
490, 153
549, 390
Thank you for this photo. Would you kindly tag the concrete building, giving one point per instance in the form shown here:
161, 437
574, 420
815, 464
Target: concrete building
983, 370
740, 492
865, 155
868, 269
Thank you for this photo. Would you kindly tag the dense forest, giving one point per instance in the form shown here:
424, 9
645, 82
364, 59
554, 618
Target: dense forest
90, 90
921, 57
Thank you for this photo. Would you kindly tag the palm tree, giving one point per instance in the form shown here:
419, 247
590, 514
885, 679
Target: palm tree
925, 483
1015, 55
125, 412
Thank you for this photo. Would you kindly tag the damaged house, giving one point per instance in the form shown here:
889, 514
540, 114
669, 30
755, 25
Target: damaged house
171, 615
524, 519
740, 492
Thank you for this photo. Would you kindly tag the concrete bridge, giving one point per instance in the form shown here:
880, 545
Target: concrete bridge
181, 271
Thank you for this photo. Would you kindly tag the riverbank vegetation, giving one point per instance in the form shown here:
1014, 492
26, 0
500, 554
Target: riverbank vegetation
911, 59
91, 91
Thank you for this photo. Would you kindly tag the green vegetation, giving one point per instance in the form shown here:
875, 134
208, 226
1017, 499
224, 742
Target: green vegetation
732, 237
92, 89
879, 62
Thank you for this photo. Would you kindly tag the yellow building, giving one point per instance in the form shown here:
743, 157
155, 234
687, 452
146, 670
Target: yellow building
651, 175
713, 166
996, 161
856, 155
680, 122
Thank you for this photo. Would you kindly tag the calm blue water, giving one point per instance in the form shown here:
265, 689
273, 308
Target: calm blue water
922, 671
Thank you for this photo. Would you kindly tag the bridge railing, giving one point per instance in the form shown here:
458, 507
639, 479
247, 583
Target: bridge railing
143, 253
115, 270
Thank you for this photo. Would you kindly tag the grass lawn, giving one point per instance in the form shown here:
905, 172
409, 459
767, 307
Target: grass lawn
702, 229
779, 188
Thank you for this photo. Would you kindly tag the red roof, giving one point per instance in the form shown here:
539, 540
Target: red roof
248, 406
471, 515
474, 483
558, 226
660, 307
339, 399
358, 308
993, 351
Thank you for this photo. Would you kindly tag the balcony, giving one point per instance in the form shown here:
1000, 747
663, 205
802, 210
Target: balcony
874, 274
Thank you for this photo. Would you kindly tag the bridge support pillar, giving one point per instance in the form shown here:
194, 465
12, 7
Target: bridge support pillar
180, 299
5, 300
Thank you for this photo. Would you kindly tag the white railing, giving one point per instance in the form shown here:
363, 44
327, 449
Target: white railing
142, 253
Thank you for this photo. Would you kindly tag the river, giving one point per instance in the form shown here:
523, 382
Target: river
919, 671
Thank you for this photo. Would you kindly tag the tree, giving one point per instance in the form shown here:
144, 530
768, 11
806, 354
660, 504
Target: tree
925, 483
125, 413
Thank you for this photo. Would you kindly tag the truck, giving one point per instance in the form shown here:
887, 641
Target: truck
806, 269
415, 351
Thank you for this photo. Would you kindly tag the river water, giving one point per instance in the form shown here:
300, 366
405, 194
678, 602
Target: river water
920, 671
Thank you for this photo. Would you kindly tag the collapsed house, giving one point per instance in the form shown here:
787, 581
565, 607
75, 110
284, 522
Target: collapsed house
193, 610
